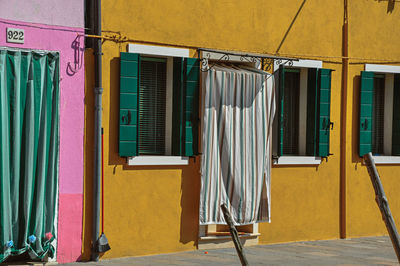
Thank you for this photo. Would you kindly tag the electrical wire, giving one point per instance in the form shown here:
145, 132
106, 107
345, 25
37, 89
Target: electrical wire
326, 58
49, 27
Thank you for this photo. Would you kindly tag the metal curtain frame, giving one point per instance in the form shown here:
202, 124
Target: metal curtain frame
266, 61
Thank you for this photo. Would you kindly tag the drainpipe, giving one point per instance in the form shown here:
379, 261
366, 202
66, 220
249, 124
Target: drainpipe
98, 90
343, 121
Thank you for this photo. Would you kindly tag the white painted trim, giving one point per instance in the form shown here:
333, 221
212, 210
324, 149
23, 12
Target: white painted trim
382, 68
157, 50
293, 160
255, 228
300, 63
158, 160
388, 114
386, 159
303, 111
168, 106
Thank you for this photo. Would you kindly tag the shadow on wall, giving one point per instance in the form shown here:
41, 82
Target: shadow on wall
88, 154
355, 121
390, 4
79, 53
113, 156
190, 201
290, 27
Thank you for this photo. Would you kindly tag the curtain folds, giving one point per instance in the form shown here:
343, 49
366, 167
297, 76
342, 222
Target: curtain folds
29, 125
238, 111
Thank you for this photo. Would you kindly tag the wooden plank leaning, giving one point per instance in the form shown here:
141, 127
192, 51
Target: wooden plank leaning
383, 203
234, 234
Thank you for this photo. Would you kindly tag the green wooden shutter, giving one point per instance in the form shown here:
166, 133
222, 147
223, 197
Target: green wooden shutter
191, 108
280, 109
366, 102
128, 104
396, 116
185, 111
324, 81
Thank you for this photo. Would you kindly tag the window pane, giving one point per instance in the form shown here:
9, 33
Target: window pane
291, 113
378, 115
152, 107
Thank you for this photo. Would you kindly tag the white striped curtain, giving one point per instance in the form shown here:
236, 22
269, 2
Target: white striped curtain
238, 109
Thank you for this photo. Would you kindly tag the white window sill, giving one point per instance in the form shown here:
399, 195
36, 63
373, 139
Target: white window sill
386, 159
158, 160
296, 160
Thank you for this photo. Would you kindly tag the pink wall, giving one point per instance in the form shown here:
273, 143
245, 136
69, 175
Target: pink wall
61, 39
51, 12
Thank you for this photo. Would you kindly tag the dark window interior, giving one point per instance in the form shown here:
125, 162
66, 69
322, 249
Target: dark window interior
378, 114
152, 106
291, 113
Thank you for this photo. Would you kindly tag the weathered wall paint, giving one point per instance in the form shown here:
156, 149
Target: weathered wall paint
50, 12
150, 210
56, 38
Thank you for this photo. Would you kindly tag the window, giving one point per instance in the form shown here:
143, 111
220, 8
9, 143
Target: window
158, 105
303, 122
152, 106
380, 112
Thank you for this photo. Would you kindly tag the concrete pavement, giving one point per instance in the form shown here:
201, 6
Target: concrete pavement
358, 251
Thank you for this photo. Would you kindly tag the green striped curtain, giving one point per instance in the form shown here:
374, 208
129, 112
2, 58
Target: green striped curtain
29, 111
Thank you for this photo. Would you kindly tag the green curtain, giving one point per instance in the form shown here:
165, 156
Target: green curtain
29, 125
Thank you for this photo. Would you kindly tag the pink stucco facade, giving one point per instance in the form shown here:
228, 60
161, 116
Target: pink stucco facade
49, 12
69, 42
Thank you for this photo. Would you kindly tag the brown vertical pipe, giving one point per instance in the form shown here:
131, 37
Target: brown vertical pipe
343, 120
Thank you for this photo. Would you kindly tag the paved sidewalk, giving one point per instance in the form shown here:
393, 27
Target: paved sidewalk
358, 251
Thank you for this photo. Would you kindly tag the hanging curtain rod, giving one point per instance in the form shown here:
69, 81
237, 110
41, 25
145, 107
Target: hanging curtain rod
218, 56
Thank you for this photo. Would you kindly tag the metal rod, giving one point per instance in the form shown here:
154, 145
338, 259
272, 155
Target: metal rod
383, 203
234, 234
246, 54
98, 90
343, 123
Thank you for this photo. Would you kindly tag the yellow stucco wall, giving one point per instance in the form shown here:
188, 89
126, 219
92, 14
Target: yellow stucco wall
374, 33
150, 210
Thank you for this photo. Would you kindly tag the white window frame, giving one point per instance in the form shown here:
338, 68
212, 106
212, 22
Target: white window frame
300, 160
389, 72
169, 53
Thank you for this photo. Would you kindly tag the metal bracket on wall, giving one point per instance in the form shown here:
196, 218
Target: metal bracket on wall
210, 58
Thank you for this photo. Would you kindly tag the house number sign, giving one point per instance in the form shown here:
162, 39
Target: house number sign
15, 35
